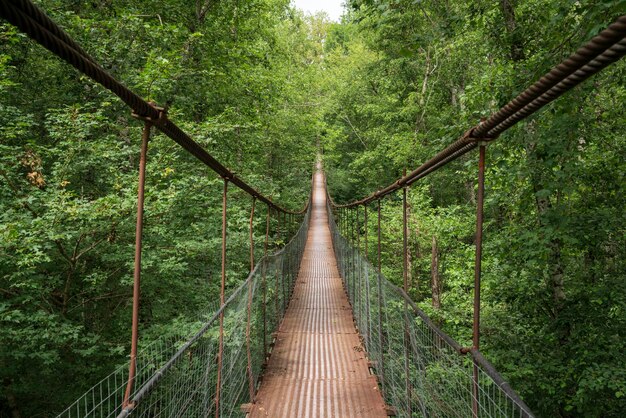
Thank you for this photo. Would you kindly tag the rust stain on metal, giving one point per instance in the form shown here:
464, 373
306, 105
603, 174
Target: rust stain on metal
314, 369
145, 138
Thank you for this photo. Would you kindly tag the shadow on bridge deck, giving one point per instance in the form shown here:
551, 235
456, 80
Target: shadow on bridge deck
318, 367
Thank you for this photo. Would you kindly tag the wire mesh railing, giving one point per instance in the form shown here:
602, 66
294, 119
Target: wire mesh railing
422, 371
177, 375
164, 359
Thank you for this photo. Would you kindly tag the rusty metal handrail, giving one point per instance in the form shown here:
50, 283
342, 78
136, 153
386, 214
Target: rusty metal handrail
604, 49
348, 269
145, 389
36, 24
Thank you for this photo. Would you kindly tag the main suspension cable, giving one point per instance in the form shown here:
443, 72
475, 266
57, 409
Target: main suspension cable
37, 25
604, 49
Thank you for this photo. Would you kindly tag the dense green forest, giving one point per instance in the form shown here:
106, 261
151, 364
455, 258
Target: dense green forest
263, 87
407, 78
235, 77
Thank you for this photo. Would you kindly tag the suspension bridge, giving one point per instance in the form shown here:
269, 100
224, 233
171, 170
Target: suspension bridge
316, 329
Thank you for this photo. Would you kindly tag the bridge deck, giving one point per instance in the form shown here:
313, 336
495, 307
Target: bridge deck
318, 367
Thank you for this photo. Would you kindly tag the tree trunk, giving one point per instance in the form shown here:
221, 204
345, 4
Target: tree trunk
543, 205
556, 274
516, 44
418, 249
471, 192
11, 400
434, 274
202, 8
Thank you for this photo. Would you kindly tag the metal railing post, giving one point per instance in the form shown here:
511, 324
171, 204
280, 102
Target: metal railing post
279, 227
264, 284
276, 278
367, 281
380, 308
145, 138
282, 270
220, 352
249, 307
477, 269
366, 230
405, 268
351, 252
358, 267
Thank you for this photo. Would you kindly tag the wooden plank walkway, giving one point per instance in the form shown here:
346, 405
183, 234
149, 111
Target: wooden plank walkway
318, 367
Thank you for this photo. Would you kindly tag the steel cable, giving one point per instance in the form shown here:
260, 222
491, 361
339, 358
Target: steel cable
177, 375
609, 56
596, 46
440, 375
601, 51
32, 10
31, 20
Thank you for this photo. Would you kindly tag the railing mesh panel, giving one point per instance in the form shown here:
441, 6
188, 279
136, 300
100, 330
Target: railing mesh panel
421, 370
177, 375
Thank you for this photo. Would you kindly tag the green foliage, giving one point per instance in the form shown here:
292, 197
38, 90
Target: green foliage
408, 78
238, 78
260, 86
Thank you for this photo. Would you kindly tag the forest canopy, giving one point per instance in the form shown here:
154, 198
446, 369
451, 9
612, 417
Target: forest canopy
264, 89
